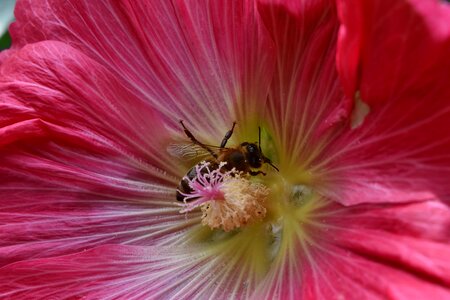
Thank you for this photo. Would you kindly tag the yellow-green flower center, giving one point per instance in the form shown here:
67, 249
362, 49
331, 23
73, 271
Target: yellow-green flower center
257, 222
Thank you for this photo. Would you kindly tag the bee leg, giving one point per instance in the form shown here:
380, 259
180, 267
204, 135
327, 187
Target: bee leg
195, 141
227, 136
254, 173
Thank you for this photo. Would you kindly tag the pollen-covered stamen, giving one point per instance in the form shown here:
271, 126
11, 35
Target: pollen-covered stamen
228, 199
243, 203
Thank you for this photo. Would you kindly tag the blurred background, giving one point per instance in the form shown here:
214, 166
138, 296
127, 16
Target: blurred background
6, 17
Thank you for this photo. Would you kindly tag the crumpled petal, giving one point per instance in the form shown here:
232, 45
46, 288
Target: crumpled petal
191, 60
412, 237
81, 159
393, 58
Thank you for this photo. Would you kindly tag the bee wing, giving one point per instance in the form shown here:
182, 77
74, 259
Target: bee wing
189, 151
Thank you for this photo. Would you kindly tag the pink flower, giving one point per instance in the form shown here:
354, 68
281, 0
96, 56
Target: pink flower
353, 101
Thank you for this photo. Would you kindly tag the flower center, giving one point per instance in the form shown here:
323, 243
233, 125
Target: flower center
256, 223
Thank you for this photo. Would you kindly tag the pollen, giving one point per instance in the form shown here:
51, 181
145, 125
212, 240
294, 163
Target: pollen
228, 199
242, 203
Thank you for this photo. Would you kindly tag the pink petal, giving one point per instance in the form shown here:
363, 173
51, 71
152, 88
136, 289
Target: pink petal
411, 237
50, 80
305, 99
343, 274
375, 45
4, 54
40, 219
397, 57
128, 272
367, 252
338, 273
81, 159
191, 60
107, 272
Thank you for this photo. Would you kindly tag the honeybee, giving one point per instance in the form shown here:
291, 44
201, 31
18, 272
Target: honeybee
246, 158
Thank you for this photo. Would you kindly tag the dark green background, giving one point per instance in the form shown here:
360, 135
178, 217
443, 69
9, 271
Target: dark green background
5, 41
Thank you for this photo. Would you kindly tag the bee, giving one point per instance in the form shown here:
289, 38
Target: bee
246, 157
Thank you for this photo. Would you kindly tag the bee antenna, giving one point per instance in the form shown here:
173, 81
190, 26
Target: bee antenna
266, 160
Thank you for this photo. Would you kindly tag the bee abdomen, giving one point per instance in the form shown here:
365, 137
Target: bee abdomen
183, 188
184, 185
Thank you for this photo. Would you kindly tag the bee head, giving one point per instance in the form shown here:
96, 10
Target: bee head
253, 155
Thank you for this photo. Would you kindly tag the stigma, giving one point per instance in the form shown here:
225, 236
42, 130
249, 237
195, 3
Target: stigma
228, 199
